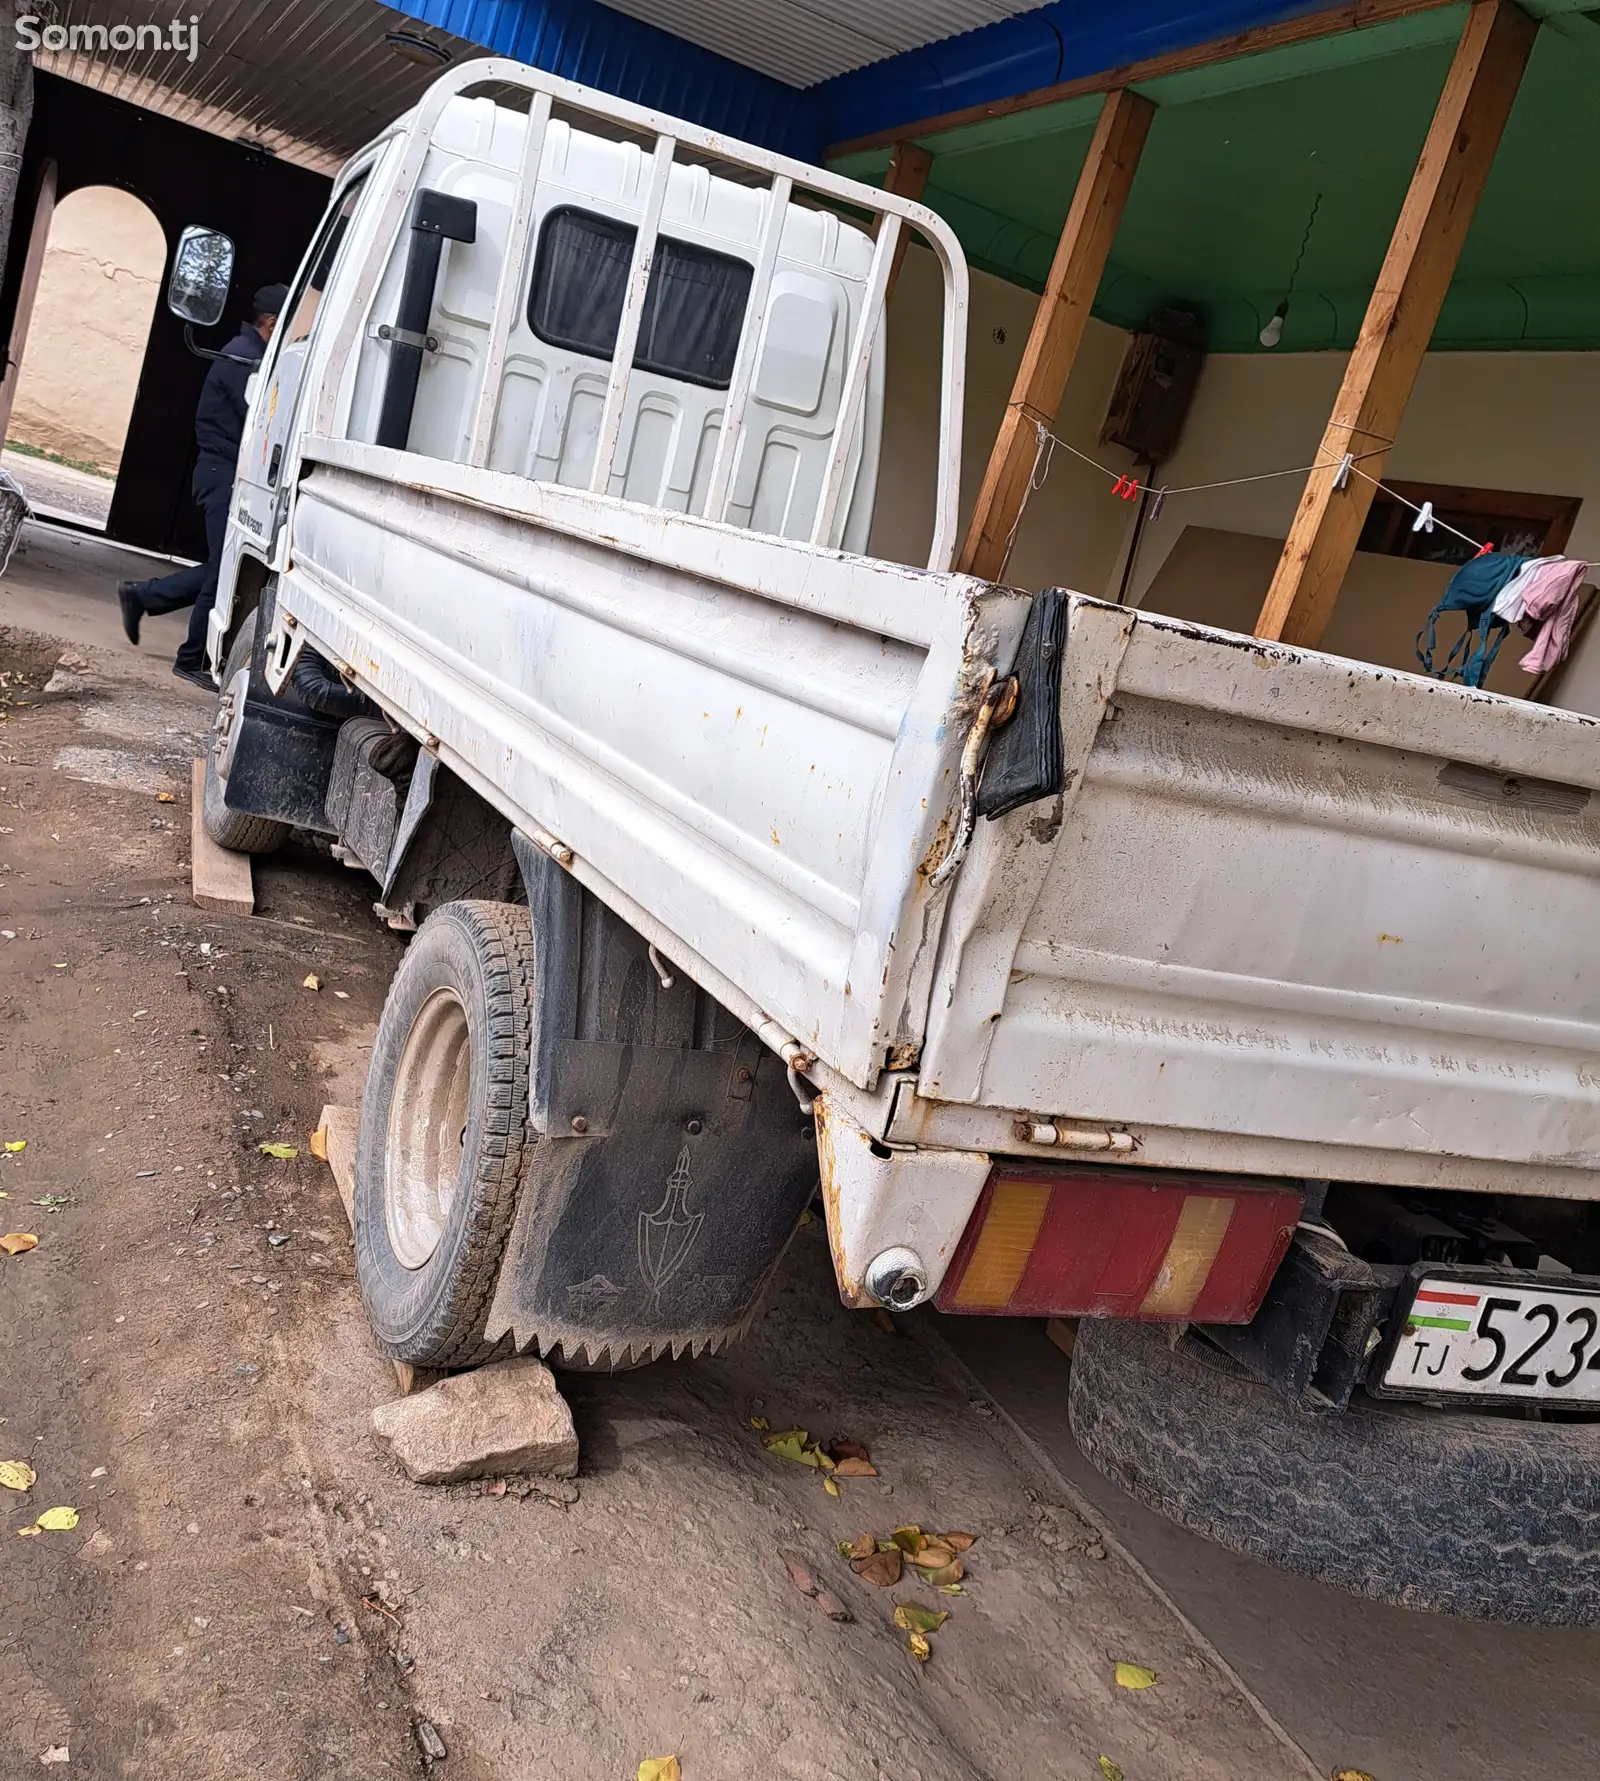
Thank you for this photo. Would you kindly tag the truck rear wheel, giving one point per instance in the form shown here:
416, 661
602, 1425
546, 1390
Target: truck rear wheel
444, 1132
1482, 1516
237, 830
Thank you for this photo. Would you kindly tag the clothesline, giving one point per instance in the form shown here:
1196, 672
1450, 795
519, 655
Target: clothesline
1128, 487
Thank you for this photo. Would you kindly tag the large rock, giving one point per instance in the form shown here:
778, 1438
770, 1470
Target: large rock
508, 1417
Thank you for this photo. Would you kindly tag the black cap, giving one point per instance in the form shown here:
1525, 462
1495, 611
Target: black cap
270, 299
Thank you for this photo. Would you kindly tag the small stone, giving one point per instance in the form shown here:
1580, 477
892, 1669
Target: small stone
429, 1742
507, 1417
64, 684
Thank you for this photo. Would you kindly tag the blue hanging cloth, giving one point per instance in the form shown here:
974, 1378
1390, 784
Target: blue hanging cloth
1471, 592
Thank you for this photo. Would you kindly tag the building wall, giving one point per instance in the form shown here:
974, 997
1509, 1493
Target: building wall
1519, 421
98, 288
1073, 532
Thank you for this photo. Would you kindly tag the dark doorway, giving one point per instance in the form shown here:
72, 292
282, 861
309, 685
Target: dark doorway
269, 207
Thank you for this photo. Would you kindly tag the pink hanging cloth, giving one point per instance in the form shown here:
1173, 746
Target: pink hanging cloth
1549, 608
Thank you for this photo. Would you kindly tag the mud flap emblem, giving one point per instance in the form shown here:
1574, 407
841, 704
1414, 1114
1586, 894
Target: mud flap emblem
667, 1235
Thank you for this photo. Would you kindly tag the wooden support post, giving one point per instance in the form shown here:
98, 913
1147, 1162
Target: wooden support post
907, 178
1058, 325
1433, 223
38, 238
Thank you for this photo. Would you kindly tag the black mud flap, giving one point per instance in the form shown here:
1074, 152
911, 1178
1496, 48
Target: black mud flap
284, 756
658, 1234
674, 1162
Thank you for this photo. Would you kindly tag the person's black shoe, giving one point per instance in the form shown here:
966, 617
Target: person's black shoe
195, 677
132, 610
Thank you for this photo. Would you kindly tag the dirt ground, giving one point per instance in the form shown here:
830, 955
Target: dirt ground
252, 1587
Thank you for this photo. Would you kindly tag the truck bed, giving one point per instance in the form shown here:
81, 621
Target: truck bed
1292, 915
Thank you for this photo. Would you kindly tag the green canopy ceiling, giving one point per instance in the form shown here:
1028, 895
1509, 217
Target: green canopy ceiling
1242, 154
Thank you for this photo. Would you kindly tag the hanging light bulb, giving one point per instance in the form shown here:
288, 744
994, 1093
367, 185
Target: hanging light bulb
1272, 333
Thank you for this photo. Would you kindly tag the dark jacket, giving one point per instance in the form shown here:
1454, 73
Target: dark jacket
219, 419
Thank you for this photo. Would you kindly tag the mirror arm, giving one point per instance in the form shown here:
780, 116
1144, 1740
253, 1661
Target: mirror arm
200, 352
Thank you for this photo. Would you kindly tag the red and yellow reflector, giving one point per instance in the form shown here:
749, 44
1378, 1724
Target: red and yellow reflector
1074, 1240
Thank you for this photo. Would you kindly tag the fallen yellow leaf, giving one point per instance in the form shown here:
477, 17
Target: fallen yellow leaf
18, 1242
283, 1152
59, 1521
796, 1444
165, 798
1351, 1775
920, 1649
312, 981
16, 1144
761, 1423
1135, 1676
28, 1533
660, 1768
1109, 1769
319, 1143
912, 1617
17, 1474
832, 1489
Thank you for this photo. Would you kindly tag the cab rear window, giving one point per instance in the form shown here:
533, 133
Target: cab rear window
693, 309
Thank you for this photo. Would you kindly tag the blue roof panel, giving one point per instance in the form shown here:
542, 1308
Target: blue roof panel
1066, 40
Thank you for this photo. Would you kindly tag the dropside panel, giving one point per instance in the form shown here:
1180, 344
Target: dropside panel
760, 763
1292, 898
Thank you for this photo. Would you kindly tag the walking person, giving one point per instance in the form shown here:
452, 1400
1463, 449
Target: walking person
218, 428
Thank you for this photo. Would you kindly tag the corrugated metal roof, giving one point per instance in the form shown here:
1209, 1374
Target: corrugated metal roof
601, 47
801, 42
310, 80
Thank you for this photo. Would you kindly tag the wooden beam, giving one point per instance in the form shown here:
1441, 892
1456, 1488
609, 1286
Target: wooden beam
1201, 55
907, 178
1058, 325
38, 237
1405, 303
218, 879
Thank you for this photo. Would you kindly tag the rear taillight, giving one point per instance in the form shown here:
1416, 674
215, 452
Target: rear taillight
1078, 1241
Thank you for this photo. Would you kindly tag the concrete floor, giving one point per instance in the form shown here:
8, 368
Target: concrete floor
1404, 1696
64, 583
59, 490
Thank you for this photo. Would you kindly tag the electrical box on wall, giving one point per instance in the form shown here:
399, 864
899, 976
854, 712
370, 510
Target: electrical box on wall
1152, 397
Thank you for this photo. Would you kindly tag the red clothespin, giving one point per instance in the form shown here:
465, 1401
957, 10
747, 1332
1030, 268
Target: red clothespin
1483, 551
1126, 487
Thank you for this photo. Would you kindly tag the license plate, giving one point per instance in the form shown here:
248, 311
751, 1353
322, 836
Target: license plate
1521, 1343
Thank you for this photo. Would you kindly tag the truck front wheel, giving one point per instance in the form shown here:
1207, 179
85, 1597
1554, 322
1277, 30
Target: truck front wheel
444, 1131
1488, 1517
237, 830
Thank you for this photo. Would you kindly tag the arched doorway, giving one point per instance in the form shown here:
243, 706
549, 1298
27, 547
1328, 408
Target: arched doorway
98, 284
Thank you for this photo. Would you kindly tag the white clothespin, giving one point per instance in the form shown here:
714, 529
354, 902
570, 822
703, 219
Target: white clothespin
1424, 520
1346, 465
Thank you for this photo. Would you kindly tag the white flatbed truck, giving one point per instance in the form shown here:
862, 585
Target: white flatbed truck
1234, 998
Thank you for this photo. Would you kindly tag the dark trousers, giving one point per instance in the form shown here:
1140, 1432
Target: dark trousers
196, 586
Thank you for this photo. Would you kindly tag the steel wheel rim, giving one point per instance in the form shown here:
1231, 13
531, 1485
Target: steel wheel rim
426, 1140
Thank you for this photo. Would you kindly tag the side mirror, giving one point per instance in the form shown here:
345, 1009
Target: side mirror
202, 272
